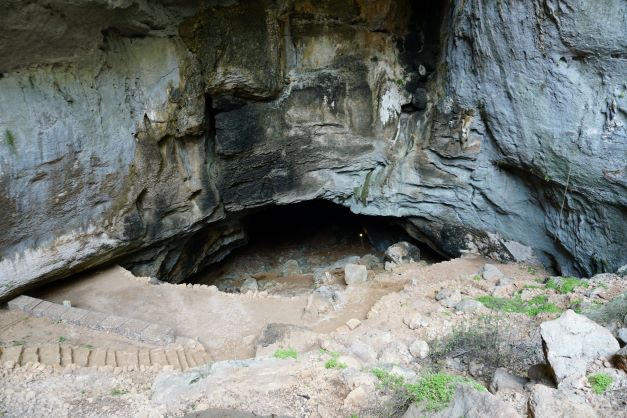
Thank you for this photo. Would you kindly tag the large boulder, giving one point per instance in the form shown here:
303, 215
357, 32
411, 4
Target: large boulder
545, 402
572, 341
402, 252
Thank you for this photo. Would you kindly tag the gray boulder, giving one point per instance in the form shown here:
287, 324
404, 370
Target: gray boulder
572, 341
402, 252
468, 305
491, 272
546, 402
355, 274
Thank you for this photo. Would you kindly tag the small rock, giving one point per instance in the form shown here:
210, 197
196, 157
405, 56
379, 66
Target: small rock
402, 252
502, 379
491, 272
504, 281
394, 353
622, 271
415, 321
249, 285
449, 297
545, 402
355, 274
363, 351
622, 335
67, 303
468, 305
370, 261
419, 348
573, 341
353, 323
290, 268
358, 397
388, 266
350, 361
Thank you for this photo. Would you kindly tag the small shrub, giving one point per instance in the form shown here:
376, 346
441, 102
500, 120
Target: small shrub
61, 338
487, 340
476, 278
436, 390
532, 270
566, 284
600, 382
334, 363
285, 353
117, 391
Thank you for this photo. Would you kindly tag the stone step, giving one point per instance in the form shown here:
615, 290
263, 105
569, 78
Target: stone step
63, 356
131, 328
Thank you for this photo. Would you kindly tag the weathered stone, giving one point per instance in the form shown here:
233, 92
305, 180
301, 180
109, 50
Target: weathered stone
572, 341
545, 402
355, 274
249, 285
491, 272
419, 348
468, 305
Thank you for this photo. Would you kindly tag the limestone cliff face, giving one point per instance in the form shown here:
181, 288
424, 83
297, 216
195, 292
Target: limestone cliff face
140, 130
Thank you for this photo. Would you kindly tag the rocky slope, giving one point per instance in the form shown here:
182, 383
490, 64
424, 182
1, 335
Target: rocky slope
141, 130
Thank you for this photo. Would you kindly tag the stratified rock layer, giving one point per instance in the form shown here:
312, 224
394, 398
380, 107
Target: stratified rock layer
142, 130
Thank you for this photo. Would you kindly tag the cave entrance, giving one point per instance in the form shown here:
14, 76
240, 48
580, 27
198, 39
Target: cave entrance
292, 247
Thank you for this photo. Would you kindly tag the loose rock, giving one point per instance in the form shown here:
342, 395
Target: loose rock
355, 274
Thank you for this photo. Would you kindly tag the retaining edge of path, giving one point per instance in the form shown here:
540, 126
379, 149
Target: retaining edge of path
135, 329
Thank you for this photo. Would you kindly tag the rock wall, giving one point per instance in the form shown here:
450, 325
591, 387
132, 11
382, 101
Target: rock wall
142, 130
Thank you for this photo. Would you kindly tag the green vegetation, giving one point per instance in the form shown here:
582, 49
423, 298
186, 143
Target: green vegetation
334, 363
15, 343
565, 285
600, 382
118, 391
532, 270
285, 353
532, 307
476, 278
435, 390
61, 338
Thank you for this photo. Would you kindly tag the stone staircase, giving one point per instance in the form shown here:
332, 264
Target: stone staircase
63, 357
131, 328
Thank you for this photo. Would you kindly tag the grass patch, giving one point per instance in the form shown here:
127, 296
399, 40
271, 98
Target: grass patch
118, 391
285, 353
533, 307
434, 390
600, 382
532, 270
476, 278
564, 285
15, 343
334, 363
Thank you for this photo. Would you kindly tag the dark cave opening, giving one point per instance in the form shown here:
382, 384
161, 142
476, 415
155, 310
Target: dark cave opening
294, 241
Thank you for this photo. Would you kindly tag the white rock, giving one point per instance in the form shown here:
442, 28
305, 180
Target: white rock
419, 348
353, 323
415, 321
355, 274
491, 272
545, 402
573, 341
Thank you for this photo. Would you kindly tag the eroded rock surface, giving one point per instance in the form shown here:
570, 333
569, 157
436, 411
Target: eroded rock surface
140, 131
